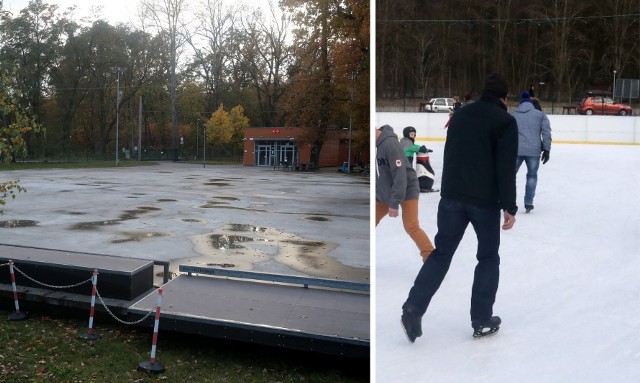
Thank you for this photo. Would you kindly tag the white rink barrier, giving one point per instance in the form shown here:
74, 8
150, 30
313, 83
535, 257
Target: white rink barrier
613, 130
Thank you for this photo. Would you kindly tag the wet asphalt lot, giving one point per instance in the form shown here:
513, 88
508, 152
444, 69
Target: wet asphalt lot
239, 217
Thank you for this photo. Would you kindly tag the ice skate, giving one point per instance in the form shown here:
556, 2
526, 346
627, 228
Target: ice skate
411, 324
487, 328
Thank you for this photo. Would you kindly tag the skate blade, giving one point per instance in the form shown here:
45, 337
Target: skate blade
481, 334
405, 332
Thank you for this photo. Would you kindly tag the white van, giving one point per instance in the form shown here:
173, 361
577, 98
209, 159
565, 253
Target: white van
440, 104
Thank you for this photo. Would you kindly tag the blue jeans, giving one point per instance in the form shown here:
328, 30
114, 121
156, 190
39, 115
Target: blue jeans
533, 163
453, 219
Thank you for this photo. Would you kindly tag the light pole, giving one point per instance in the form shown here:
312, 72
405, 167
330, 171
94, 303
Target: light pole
350, 113
614, 85
118, 70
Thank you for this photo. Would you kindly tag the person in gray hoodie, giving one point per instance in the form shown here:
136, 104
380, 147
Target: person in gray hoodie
397, 187
534, 137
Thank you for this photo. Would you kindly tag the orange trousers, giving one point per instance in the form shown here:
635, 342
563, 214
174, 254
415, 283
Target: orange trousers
409, 212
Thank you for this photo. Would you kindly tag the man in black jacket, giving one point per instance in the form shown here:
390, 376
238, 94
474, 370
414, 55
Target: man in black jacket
478, 180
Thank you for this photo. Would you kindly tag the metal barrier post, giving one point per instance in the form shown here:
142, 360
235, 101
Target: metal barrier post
90, 335
17, 315
151, 365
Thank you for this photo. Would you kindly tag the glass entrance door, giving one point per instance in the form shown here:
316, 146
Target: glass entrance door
275, 153
263, 155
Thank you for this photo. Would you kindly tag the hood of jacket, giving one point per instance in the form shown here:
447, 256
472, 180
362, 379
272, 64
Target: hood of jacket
386, 132
524, 107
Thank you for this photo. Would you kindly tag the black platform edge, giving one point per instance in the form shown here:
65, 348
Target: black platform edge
31, 298
263, 335
112, 283
77, 252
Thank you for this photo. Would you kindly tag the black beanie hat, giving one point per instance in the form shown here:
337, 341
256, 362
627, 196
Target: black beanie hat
495, 85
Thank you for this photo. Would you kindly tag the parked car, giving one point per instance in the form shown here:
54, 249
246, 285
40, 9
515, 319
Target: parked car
439, 104
603, 105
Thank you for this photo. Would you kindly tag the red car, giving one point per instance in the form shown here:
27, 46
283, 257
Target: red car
603, 105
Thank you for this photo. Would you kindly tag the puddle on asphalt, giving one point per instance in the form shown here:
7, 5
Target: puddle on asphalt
218, 205
211, 205
135, 213
95, 224
243, 246
226, 242
246, 228
226, 198
138, 236
124, 216
319, 219
15, 223
70, 212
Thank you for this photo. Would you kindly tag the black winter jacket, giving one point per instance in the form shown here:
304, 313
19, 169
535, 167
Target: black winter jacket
480, 155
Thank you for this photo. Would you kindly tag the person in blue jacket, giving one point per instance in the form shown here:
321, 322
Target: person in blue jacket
534, 143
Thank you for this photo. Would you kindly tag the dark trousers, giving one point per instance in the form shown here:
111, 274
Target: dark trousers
453, 218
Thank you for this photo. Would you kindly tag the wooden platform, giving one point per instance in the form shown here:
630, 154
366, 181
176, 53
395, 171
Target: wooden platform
118, 278
314, 319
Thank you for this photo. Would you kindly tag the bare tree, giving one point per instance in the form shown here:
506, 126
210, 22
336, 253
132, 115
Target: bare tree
265, 55
211, 42
167, 17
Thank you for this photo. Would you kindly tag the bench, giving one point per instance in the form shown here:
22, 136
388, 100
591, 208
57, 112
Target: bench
285, 165
291, 279
569, 109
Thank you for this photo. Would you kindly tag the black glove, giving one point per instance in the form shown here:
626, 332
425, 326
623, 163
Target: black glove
424, 149
545, 156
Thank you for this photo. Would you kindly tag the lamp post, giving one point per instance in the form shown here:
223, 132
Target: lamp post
614, 85
118, 70
353, 75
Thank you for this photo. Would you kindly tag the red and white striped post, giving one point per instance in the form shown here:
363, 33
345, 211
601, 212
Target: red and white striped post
151, 365
90, 335
17, 315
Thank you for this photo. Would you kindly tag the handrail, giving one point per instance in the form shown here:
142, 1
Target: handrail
305, 281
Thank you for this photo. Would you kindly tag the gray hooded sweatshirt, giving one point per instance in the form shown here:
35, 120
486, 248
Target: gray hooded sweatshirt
396, 180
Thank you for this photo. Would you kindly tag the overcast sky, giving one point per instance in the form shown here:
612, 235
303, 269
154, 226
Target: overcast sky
115, 11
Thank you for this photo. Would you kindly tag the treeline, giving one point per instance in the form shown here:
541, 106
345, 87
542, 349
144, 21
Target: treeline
562, 47
178, 64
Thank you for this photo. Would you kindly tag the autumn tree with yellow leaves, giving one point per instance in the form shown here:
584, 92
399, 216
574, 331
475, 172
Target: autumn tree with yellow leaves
227, 127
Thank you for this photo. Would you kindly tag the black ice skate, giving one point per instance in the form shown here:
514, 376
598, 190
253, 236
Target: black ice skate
411, 324
490, 327
528, 208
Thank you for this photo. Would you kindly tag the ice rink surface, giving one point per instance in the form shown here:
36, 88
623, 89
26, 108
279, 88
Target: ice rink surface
569, 295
